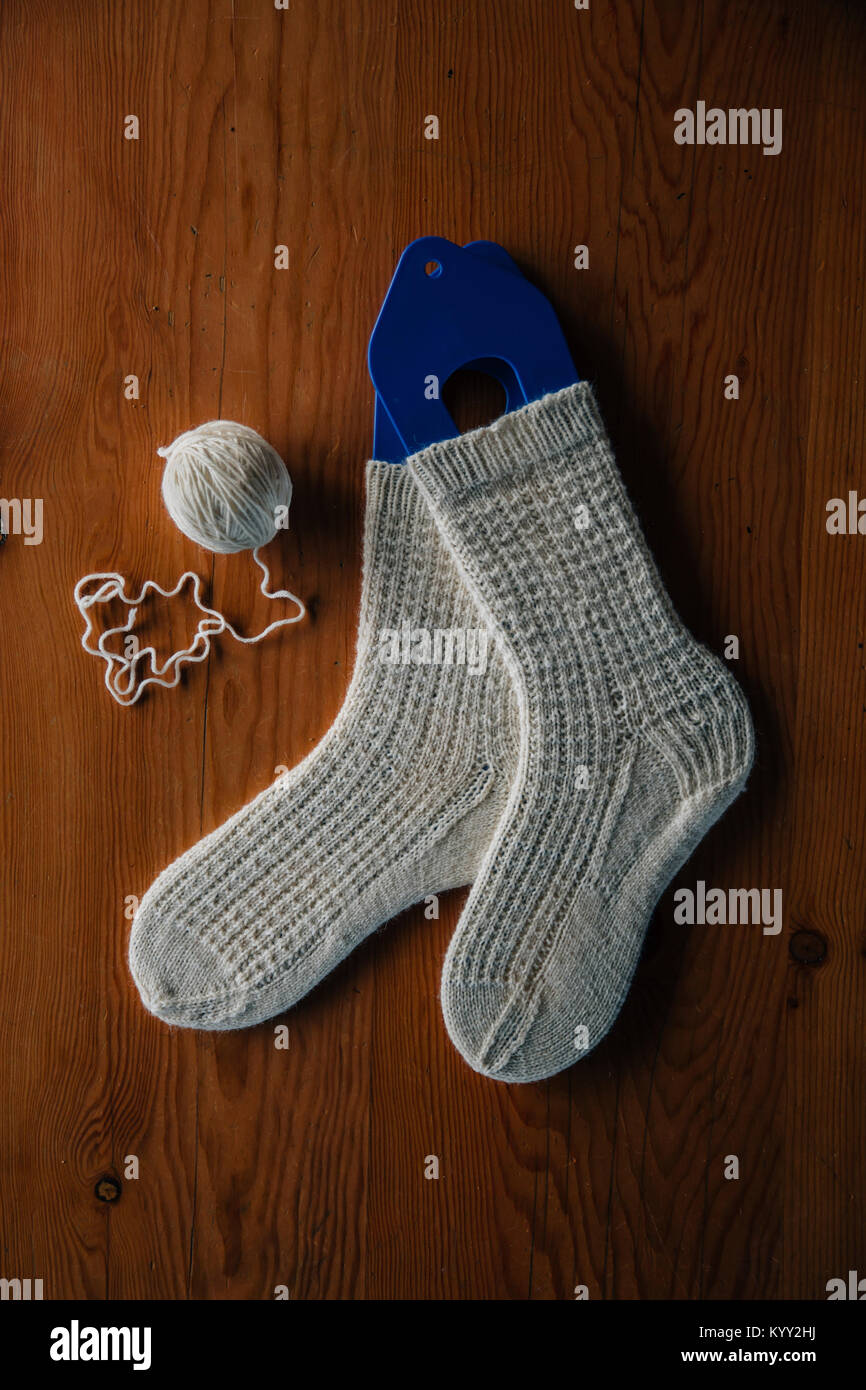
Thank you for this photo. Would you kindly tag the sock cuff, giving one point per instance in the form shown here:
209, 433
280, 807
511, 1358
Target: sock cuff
510, 447
392, 492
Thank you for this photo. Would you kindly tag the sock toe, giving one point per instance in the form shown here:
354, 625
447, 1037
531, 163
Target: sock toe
520, 1037
178, 976
515, 1032
488, 1022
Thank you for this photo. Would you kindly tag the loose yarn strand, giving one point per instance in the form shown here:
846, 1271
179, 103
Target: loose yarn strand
120, 669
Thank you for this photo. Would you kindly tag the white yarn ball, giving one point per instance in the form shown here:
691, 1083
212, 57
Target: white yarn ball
222, 486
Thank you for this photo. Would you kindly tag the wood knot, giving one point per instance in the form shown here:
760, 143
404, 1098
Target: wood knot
107, 1189
808, 947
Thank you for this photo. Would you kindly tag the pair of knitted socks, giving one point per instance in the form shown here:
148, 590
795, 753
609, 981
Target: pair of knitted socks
527, 714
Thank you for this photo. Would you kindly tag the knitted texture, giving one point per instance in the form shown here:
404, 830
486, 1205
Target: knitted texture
634, 738
398, 801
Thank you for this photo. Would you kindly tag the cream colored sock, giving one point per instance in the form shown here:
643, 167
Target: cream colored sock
397, 802
634, 738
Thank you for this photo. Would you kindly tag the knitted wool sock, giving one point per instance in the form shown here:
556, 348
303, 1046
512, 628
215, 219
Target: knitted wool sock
398, 801
634, 738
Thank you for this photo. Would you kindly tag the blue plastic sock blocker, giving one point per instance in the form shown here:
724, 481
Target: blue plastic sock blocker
449, 307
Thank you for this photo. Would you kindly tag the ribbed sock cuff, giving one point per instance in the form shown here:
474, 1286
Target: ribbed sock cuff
391, 492
511, 447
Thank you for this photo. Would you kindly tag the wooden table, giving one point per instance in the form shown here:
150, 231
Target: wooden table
155, 258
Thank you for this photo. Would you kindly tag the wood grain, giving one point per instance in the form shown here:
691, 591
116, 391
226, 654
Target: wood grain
305, 1167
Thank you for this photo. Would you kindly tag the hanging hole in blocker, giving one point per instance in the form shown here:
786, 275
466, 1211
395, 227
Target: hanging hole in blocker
473, 398
433, 269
